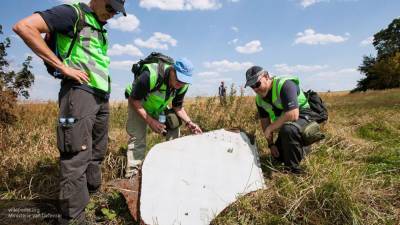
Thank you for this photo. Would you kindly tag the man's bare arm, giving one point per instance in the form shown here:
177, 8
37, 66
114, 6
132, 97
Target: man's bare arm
30, 30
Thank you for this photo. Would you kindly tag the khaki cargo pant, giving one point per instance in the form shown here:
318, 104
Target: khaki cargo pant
136, 128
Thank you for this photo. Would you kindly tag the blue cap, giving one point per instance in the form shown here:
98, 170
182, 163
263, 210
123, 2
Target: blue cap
184, 69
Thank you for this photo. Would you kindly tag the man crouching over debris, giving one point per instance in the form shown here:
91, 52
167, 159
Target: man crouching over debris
283, 106
149, 96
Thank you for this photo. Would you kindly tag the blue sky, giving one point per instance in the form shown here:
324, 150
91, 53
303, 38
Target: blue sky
321, 41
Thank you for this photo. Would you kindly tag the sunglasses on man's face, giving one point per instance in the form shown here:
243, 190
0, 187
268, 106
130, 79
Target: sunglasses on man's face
256, 85
110, 9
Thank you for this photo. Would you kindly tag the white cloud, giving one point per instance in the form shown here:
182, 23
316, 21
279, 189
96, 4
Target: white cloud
126, 23
322, 77
310, 37
307, 3
227, 66
73, 1
202, 89
336, 73
118, 49
233, 42
367, 41
181, 4
15, 62
45, 87
286, 69
235, 29
208, 74
218, 80
122, 65
45, 78
334, 79
250, 48
157, 41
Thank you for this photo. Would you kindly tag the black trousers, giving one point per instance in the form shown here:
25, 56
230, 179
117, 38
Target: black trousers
290, 145
82, 147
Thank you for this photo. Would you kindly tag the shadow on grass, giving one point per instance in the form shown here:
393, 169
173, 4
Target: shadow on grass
39, 181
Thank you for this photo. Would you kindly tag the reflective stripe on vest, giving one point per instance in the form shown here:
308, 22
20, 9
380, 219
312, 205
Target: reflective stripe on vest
89, 53
155, 102
277, 85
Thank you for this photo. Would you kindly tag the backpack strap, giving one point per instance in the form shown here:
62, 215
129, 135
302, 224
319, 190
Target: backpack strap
161, 71
160, 77
79, 25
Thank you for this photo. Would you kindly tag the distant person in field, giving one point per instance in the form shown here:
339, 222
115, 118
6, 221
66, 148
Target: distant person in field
149, 98
284, 108
222, 93
77, 35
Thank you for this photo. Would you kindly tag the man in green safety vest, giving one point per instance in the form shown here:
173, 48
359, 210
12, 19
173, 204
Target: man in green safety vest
149, 97
79, 56
283, 107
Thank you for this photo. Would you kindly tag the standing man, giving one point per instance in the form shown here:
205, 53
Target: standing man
222, 93
149, 97
283, 107
81, 43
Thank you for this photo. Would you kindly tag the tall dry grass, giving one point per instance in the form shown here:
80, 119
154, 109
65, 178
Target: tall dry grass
353, 176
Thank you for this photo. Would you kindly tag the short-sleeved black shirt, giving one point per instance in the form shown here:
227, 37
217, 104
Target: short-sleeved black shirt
62, 18
289, 93
141, 88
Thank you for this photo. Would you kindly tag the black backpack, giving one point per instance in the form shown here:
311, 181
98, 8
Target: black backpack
154, 57
320, 114
50, 39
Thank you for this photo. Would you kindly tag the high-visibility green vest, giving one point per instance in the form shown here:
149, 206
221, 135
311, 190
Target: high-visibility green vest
89, 53
277, 85
155, 102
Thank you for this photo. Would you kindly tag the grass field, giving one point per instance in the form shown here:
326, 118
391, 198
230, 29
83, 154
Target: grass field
353, 176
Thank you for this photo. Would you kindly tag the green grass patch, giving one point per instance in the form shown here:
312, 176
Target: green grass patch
257, 208
108, 208
384, 161
378, 131
336, 204
386, 158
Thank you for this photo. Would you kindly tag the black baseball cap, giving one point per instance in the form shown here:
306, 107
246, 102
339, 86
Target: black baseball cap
118, 5
252, 75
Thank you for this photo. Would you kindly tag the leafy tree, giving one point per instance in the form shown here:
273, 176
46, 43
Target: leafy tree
12, 84
383, 70
387, 41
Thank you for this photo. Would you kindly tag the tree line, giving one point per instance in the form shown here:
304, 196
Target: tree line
383, 70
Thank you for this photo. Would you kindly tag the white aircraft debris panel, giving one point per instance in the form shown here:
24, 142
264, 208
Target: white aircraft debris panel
190, 180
